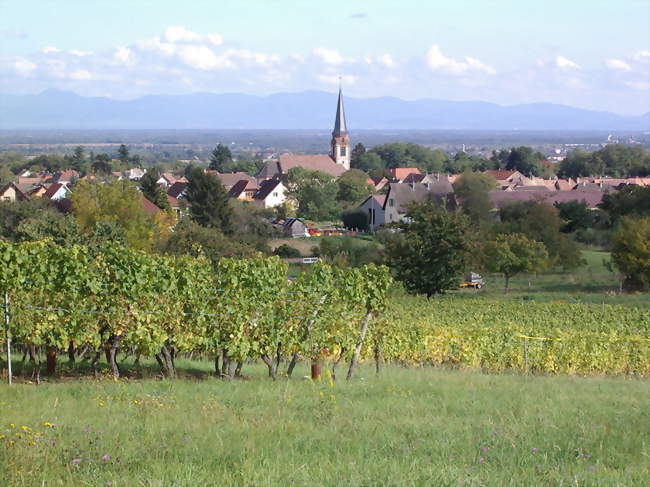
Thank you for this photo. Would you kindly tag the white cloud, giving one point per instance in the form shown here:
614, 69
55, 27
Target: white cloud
24, 68
386, 60
618, 64
79, 53
123, 54
81, 74
332, 79
49, 49
642, 55
202, 57
437, 61
564, 63
330, 56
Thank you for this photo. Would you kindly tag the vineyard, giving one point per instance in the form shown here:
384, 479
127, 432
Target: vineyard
118, 301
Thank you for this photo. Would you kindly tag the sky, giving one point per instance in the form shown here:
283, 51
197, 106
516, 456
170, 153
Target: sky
586, 53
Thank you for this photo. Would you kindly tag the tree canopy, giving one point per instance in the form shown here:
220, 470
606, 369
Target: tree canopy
208, 201
431, 253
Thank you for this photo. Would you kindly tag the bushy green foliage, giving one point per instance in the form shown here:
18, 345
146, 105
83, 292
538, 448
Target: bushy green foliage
220, 158
208, 201
473, 191
433, 251
316, 194
350, 251
356, 219
353, 188
153, 191
616, 160
287, 251
630, 200
631, 251
512, 254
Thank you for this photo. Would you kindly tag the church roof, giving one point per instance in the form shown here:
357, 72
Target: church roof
313, 162
340, 127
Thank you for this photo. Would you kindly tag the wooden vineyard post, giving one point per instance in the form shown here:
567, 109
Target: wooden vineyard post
8, 335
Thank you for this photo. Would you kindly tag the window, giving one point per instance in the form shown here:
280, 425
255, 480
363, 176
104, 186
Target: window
343, 150
6, 198
391, 202
275, 194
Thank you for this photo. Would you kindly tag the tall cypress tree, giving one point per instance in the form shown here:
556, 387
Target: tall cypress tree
153, 191
208, 201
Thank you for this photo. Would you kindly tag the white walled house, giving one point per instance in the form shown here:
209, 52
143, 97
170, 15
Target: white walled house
373, 206
272, 193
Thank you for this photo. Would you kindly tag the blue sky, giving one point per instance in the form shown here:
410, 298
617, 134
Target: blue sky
592, 54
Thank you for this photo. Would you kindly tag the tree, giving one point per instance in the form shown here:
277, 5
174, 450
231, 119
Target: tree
78, 158
355, 219
512, 254
208, 201
357, 152
541, 222
120, 205
433, 251
153, 191
368, 162
631, 200
353, 188
316, 194
631, 252
102, 164
524, 160
576, 216
576, 164
473, 190
123, 154
220, 158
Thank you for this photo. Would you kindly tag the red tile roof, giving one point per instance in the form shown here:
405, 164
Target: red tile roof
402, 172
149, 208
500, 175
313, 162
52, 190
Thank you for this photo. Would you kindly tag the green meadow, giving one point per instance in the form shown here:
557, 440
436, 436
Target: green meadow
406, 427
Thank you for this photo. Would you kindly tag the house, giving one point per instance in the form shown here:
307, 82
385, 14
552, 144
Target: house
335, 163
401, 194
295, 228
506, 178
177, 190
399, 174
177, 206
166, 179
374, 207
148, 207
11, 192
243, 190
377, 183
270, 194
66, 177
56, 191
591, 197
229, 179
134, 174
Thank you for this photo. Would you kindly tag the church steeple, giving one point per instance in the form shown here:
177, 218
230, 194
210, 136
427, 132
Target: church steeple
340, 140
339, 123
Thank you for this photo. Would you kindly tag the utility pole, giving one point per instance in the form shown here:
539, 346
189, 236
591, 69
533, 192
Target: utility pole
8, 335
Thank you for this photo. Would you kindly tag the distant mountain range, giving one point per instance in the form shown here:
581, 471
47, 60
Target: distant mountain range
55, 109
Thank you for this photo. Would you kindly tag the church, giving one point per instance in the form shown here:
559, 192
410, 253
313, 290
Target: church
334, 163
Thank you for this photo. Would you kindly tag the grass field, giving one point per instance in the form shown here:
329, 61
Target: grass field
406, 427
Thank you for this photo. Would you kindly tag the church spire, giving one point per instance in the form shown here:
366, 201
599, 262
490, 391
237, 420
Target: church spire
340, 127
340, 139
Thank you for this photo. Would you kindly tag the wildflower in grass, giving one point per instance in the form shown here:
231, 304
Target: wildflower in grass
593, 468
481, 460
533, 451
76, 460
106, 458
485, 449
